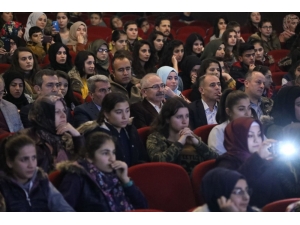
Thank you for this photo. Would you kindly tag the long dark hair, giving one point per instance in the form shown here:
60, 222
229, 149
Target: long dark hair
152, 38
235, 48
166, 58
149, 66
108, 104
80, 59
216, 28
161, 123
188, 48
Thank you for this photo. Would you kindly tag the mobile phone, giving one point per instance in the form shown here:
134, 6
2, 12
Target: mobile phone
47, 39
55, 25
7, 44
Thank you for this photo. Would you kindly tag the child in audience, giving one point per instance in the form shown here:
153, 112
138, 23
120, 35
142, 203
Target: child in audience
24, 186
38, 19
35, 44
99, 182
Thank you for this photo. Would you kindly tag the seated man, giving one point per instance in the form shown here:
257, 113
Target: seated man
203, 111
98, 86
121, 79
246, 63
254, 88
154, 93
10, 121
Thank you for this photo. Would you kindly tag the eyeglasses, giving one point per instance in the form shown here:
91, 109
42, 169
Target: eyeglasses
267, 27
103, 50
157, 86
241, 192
3, 92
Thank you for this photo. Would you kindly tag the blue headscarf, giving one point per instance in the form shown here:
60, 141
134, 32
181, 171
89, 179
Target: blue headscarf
163, 72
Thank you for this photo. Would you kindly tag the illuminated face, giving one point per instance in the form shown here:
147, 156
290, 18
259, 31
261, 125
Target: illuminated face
95, 19
164, 27
61, 55
26, 61
255, 86
16, 88
105, 156
213, 69
259, 52
222, 24
89, 65
248, 57
241, 109
122, 71
63, 85
197, 47
121, 43
220, 53
232, 38
37, 37
254, 138
60, 114
81, 30
102, 53
172, 81
240, 195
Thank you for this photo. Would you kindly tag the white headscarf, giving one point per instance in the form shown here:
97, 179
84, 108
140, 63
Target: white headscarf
163, 72
31, 22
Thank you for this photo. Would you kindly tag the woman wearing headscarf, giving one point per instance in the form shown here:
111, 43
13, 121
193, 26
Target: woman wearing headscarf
100, 49
35, 19
15, 88
211, 49
59, 57
77, 37
230, 192
170, 78
190, 67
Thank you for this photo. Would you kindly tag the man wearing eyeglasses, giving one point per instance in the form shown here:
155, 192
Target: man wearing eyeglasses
121, 79
153, 91
10, 121
246, 63
45, 83
98, 86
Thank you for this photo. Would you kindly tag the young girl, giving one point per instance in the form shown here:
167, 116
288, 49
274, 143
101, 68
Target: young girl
100, 49
24, 186
114, 120
99, 182
194, 45
230, 193
62, 36
229, 39
171, 135
77, 37
233, 104
144, 59
219, 27
156, 39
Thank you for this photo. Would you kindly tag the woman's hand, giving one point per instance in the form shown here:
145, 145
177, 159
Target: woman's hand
20, 33
193, 77
80, 39
169, 92
226, 205
121, 169
54, 31
2, 51
187, 136
226, 76
241, 39
67, 127
174, 61
263, 151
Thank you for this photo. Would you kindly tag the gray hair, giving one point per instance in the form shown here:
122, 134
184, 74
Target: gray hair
96, 78
144, 81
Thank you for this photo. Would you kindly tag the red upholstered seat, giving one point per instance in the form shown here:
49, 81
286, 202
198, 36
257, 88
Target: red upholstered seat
187, 93
166, 186
4, 67
204, 131
191, 29
97, 32
279, 54
280, 205
277, 77
143, 134
56, 178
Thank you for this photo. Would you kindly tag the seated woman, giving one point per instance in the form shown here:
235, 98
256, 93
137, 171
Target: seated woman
230, 193
242, 138
83, 69
15, 87
267, 36
131, 29
100, 49
293, 73
214, 49
99, 182
59, 57
219, 27
284, 112
116, 23
173, 54
114, 120
77, 37
252, 22
38, 19
156, 38
275, 179
290, 23
66, 90
169, 77
118, 42
55, 139
190, 67
62, 36
172, 140
229, 39
144, 25
194, 45
144, 59
233, 104
24, 186
24, 61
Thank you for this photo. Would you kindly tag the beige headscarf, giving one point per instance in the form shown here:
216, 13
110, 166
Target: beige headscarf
72, 33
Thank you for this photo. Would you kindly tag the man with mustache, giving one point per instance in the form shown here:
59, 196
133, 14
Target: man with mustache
163, 24
254, 88
153, 91
121, 79
204, 110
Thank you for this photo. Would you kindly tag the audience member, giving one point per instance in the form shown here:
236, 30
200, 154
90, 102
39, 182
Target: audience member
290, 22
190, 67
116, 23
100, 49
118, 42
62, 35
38, 19
173, 54
269, 87
219, 27
163, 24
156, 38
251, 25
77, 37
35, 43
96, 19
132, 32
194, 45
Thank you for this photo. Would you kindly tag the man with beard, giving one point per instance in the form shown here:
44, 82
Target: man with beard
163, 24
203, 111
153, 90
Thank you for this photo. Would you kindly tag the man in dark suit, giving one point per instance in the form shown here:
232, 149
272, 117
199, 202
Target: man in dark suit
153, 90
203, 111
98, 86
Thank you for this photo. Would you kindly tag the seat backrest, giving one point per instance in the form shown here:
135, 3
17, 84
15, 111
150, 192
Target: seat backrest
280, 205
143, 134
279, 54
187, 93
166, 186
277, 77
204, 131
197, 175
56, 178
4, 67
192, 29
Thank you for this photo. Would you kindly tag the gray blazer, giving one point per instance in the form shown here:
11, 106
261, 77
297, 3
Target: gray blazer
85, 112
11, 115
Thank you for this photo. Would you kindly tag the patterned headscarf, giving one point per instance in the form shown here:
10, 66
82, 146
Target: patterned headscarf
288, 19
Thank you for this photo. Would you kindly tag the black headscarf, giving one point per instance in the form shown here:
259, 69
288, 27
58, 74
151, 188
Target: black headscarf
52, 57
216, 183
187, 65
8, 78
283, 110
